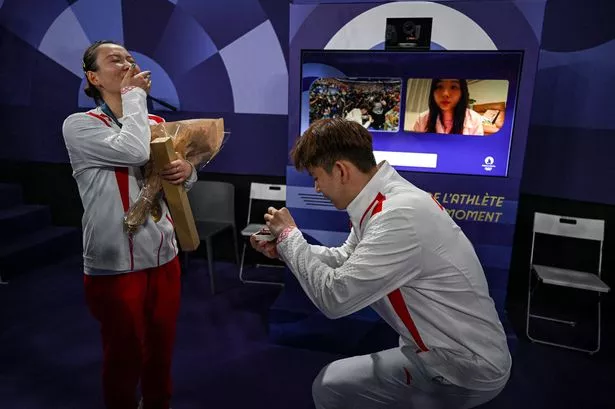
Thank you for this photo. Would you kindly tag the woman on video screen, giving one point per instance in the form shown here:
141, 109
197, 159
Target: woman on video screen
448, 110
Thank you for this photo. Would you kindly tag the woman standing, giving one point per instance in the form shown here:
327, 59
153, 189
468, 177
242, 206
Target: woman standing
132, 282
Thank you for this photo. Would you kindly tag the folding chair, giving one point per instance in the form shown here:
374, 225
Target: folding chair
568, 227
262, 196
213, 209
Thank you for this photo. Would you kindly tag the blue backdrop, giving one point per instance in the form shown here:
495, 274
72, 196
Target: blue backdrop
572, 138
190, 43
211, 59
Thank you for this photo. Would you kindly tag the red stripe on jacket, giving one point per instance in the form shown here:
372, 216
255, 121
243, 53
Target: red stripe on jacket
377, 208
156, 118
396, 297
101, 117
399, 305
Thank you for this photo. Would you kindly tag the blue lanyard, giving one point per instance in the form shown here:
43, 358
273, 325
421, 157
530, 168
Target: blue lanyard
105, 108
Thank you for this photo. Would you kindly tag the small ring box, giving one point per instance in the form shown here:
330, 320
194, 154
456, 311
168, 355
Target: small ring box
264, 235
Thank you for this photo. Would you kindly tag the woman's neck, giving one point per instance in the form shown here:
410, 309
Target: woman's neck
114, 102
447, 115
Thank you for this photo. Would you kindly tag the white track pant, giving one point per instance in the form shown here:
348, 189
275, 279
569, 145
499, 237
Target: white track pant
389, 379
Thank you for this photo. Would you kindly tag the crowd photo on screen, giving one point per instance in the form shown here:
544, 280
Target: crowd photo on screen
372, 102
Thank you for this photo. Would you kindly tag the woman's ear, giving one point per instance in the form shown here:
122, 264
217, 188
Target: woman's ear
92, 77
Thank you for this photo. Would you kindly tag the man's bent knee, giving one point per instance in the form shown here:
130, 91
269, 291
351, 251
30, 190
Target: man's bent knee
319, 390
329, 389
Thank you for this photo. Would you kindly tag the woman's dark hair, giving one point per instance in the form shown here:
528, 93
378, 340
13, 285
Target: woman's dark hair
89, 64
459, 113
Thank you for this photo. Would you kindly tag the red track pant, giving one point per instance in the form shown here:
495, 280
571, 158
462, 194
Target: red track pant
137, 312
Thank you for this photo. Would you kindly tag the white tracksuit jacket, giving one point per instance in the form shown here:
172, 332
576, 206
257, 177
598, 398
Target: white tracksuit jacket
106, 162
408, 260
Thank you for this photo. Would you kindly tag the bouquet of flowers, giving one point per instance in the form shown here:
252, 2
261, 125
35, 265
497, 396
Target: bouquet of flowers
196, 140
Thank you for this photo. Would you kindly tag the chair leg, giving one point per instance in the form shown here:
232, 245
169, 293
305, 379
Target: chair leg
599, 327
236, 246
543, 317
243, 256
529, 315
529, 307
243, 280
210, 263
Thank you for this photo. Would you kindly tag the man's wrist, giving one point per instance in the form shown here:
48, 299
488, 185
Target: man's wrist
285, 233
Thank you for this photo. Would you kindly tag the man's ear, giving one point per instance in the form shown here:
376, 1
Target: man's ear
344, 171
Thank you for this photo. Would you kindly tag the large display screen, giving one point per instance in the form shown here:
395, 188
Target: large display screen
428, 111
